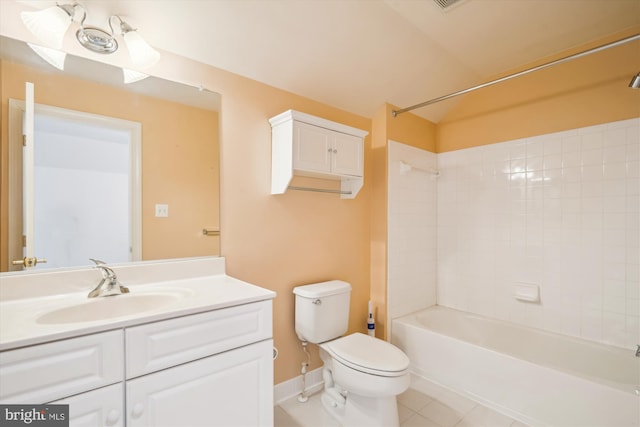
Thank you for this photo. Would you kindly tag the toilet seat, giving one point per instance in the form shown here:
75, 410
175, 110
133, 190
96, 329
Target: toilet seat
368, 354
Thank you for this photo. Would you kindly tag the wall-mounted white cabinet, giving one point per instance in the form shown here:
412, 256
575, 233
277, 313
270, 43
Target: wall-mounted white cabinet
306, 145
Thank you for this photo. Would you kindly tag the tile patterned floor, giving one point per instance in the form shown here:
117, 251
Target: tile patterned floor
436, 408
447, 409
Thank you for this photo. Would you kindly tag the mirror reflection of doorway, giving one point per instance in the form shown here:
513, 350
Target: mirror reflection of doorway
86, 192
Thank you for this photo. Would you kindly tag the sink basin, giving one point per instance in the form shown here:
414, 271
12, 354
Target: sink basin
109, 307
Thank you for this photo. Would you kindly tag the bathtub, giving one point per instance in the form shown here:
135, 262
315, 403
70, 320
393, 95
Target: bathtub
537, 377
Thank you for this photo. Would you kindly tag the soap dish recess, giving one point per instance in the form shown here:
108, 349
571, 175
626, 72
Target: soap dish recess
528, 292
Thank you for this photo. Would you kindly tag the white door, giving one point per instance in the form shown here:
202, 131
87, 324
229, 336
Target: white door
79, 184
81, 191
234, 388
28, 149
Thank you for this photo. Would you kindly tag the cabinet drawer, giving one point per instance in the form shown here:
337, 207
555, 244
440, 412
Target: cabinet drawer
46, 372
171, 342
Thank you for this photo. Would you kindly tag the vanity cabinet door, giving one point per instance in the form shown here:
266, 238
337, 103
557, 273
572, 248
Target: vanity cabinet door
103, 407
229, 389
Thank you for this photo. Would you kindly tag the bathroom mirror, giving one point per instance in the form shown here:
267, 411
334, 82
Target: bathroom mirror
178, 166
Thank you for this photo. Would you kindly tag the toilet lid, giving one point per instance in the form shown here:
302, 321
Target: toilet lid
368, 354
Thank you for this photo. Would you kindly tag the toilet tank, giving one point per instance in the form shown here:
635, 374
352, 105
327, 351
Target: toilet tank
322, 310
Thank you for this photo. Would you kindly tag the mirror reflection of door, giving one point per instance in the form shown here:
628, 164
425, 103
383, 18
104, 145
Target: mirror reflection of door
86, 188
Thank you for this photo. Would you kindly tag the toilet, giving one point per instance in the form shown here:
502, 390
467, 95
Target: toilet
362, 374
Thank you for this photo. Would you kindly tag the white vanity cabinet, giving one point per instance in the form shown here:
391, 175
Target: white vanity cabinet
220, 369
213, 368
305, 145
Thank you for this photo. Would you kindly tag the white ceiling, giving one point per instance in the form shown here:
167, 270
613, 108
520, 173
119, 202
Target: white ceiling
358, 54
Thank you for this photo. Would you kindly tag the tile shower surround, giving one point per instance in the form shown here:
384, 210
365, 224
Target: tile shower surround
561, 211
412, 225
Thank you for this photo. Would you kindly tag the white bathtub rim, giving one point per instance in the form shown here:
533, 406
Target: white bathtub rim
522, 413
631, 388
589, 403
626, 350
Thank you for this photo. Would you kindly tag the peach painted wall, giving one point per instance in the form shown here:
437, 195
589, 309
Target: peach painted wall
378, 245
411, 130
282, 241
582, 92
180, 169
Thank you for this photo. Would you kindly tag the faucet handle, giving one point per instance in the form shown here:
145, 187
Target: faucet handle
106, 271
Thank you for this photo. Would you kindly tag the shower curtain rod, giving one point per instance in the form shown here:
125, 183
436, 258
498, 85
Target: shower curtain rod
518, 74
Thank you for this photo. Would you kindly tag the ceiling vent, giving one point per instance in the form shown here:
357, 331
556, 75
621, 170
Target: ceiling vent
446, 4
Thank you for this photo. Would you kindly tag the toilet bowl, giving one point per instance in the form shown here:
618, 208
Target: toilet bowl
362, 377
362, 374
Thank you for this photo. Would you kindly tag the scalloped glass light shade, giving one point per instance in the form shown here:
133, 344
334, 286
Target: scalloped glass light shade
52, 56
131, 76
142, 55
48, 25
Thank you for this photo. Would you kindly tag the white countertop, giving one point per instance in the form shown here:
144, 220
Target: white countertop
20, 315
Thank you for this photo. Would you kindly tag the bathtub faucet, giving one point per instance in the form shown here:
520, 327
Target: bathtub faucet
638, 350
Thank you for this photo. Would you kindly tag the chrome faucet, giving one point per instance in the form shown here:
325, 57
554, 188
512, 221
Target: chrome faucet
109, 285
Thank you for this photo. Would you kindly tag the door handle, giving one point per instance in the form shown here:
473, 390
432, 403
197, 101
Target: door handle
28, 262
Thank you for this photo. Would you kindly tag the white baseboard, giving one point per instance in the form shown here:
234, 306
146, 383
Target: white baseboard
293, 387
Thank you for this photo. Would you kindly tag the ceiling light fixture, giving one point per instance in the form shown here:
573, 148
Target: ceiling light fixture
50, 26
52, 56
131, 76
635, 82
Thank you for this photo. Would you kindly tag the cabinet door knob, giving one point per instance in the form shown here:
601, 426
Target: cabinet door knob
112, 417
137, 411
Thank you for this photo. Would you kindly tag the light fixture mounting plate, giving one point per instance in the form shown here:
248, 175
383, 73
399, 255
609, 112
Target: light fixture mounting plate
97, 40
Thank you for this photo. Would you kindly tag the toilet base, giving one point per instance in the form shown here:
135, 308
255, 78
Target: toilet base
361, 411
